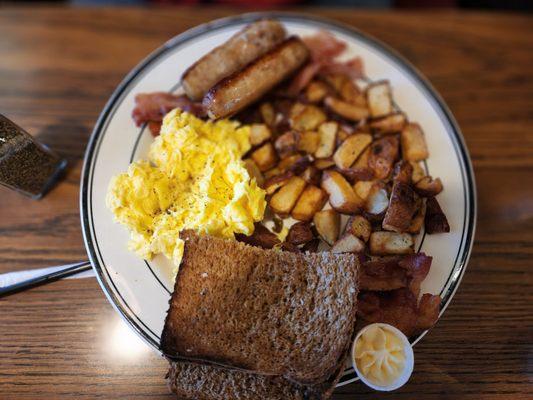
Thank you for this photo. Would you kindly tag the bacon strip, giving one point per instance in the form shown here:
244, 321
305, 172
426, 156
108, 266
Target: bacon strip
151, 108
396, 272
399, 308
324, 48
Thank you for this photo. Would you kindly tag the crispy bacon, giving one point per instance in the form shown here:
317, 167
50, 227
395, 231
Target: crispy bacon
395, 272
324, 48
428, 312
152, 107
399, 308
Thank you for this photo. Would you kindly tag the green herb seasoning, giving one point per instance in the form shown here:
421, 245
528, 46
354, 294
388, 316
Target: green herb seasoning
25, 164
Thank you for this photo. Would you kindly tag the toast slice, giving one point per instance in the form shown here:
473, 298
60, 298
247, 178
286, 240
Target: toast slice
264, 311
194, 381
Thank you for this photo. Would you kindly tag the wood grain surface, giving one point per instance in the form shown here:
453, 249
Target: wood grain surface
64, 340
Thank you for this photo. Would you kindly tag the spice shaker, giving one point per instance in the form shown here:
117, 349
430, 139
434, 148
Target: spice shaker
26, 165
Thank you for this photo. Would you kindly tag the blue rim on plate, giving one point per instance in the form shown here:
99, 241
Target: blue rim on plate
91, 244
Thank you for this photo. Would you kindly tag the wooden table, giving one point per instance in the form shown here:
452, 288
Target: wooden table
64, 340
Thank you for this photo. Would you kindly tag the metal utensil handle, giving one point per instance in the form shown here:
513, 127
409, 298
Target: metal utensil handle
45, 278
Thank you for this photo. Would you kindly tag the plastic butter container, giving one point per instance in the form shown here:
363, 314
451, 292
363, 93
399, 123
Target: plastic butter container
382, 357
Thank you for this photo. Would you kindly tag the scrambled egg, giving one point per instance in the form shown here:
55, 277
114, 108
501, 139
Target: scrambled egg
194, 179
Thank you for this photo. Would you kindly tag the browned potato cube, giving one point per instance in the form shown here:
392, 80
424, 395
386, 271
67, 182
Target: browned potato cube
362, 188
352, 94
259, 133
350, 149
274, 183
312, 175
414, 146
360, 227
342, 134
336, 81
383, 154
379, 99
328, 133
254, 172
327, 224
392, 123
348, 243
323, 163
377, 200
309, 142
310, 202
356, 174
418, 171
261, 237
418, 220
346, 110
341, 195
389, 243
308, 119
271, 172
428, 187
403, 172
287, 143
316, 91
285, 198
295, 163
402, 206
362, 160
265, 157
300, 233
268, 114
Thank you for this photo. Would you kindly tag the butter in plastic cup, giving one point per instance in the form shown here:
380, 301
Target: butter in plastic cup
408, 365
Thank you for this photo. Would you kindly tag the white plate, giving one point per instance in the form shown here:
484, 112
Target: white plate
140, 290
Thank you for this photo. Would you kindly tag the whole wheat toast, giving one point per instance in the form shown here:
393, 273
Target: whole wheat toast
265, 311
194, 381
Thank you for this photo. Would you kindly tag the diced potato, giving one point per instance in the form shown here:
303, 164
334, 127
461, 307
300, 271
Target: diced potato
310, 202
346, 110
341, 195
265, 157
418, 171
300, 233
377, 200
379, 99
268, 113
418, 220
402, 206
362, 188
259, 133
285, 198
428, 187
327, 224
308, 119
328, 133
295, 163
392, 123
356, 174
261, 237
316, 91
309, 142
350, 149
254, 172
414, 146
389, 243
336, 81
323, 163
287, 143
352, 94
383, 154
312, 175
403, 172
274, 183
348, 243
342, 134
362, 160
272, 172
360, 227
